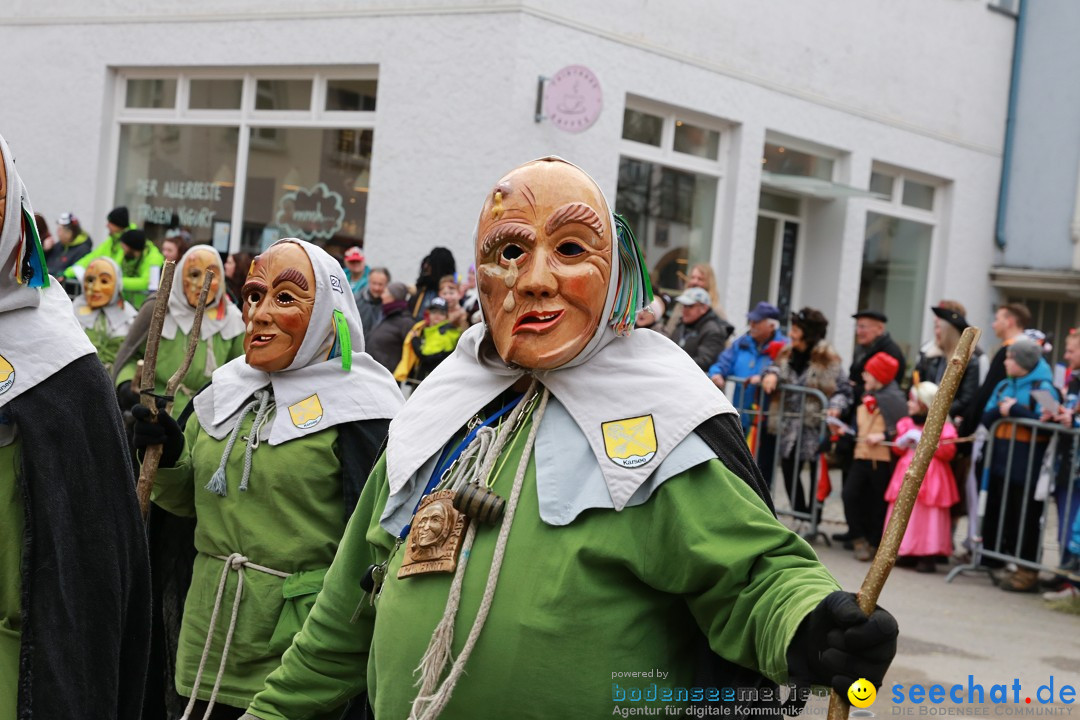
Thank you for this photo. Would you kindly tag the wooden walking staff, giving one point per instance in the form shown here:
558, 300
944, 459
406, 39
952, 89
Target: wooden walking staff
909, 491
152, 454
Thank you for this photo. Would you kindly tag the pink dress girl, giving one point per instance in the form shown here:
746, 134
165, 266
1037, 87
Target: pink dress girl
929, 531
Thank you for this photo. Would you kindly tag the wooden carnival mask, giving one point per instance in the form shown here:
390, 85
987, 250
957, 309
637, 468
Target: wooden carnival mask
195, 268
279, 296
544, 255
99, 283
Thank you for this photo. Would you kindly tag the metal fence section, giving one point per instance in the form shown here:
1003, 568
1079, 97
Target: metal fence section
1023, 459
786, 407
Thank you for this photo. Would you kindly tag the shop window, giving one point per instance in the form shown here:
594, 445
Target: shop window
896, 263
783, 160
669, 180
642, 127
178, 176
315, 189
246, 179
215, 94
918, 195
155, 93
350, 95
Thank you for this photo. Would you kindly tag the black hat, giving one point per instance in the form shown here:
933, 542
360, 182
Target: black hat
872, 314
813, 323
134, 239
951, 316
118, 216
438, 304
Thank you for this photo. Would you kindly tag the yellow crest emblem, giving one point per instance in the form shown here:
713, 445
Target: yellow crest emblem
7, 375
630, 442
306, 413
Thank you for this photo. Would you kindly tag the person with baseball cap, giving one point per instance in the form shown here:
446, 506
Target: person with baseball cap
700, 332
358, 271
74, 244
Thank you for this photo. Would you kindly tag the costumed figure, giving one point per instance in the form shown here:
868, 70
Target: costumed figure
101, 309
271, 467
562, 494
74, 577
222, 331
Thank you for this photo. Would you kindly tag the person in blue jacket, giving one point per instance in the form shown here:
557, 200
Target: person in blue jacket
1009, 481
748, 357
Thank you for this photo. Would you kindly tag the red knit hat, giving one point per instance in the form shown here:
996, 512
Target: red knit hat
883, 367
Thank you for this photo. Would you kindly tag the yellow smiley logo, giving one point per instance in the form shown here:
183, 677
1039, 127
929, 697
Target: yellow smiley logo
862, 693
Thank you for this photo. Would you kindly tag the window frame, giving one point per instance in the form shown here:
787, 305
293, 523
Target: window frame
667, 156
245, 118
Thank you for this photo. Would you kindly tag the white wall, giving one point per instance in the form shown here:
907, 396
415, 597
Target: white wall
920, 84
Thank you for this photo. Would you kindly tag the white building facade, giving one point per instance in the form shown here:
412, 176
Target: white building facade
836, 154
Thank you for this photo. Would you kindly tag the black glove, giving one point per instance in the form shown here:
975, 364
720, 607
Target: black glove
164, 432
126, 397
837, 644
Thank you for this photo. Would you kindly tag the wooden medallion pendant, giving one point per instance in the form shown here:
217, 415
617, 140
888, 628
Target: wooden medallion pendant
435, 537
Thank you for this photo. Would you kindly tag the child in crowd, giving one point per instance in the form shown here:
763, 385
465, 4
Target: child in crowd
451, 294
864, 490
928, 534
1009, 483
436, 340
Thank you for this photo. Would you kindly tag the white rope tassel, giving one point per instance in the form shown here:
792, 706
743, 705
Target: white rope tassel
236, 562
428, 707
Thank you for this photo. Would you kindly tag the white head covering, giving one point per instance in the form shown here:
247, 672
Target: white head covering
227, 323
330, 381
643, 379
38, 331
118, 314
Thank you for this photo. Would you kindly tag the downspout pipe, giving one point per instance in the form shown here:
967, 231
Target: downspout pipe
1010, 125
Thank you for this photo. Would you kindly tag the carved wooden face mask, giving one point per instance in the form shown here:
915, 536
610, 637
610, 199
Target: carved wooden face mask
279, 296
195, 270
544, 253
99, 283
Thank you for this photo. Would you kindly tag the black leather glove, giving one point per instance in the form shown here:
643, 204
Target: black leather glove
837, 644
126, 397
164, 432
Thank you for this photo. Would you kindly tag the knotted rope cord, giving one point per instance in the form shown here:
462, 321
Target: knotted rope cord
262, 406
236, 562
427, 705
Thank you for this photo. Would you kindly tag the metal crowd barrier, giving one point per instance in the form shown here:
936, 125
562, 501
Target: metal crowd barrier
1051, 437
766, 447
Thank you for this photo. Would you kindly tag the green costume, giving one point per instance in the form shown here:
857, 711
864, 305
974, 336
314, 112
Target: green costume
290, 519
106, 326
11, 518
170, 356
136, 272
106, 344
608, 591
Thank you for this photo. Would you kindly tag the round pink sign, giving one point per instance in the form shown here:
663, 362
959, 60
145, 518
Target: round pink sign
573, 99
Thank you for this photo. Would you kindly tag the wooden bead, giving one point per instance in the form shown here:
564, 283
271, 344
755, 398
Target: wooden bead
479, 503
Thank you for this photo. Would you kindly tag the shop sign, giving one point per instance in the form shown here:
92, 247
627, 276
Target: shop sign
573, 99
312, 214
189, 200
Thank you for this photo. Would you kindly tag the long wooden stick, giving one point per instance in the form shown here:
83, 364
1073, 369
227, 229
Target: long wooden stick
885, 558
152, 454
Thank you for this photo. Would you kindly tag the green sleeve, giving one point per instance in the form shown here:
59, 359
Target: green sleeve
748, 580
141, 282
105, 248
236, 349
174, 488
127, 373
327, 662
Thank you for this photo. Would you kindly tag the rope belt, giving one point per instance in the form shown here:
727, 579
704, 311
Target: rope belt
236, 562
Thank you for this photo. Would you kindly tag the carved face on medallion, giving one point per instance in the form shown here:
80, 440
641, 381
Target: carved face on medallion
544, 256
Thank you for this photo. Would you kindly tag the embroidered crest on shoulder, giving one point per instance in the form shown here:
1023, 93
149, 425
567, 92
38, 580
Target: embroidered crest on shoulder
335, 284
630, 442
307, 413
7, 375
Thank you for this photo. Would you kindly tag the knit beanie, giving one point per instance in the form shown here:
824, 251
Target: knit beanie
134, 239
883, 367
398, 290
1025, 353
118, 216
